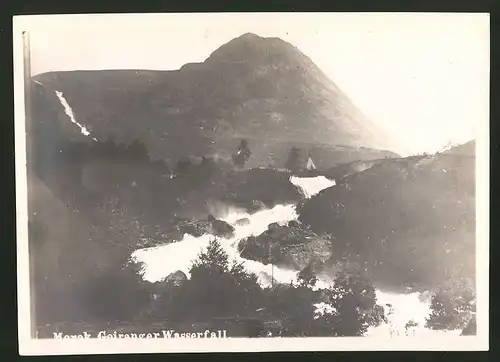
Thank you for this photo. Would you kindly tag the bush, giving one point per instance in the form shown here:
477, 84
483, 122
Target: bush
452, 307
225, 288
354, 301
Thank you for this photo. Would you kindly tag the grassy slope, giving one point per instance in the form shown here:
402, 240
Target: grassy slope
408, 222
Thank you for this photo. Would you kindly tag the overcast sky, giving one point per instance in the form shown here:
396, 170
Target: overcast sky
423, 77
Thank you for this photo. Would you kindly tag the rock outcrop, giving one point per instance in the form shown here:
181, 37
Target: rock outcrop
292, 246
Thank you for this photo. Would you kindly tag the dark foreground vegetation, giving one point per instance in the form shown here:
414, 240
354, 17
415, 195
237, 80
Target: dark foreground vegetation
96, 198
385, 223
222, 292
409, 222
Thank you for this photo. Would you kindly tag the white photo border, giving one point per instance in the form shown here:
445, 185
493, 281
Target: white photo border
32, 346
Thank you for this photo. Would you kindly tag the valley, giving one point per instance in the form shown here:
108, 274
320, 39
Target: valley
249, 181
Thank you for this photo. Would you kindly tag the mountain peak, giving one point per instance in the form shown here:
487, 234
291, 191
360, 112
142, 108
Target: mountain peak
252, 48
249, 36
263, 89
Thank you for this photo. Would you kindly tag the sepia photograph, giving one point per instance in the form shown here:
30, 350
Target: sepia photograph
230, 182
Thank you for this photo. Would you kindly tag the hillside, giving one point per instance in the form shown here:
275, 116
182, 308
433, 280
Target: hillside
68, 249
348, 168
122, 160
467, 149
261, 89
407, 222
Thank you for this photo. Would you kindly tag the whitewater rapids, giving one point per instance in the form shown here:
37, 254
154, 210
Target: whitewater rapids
311, 186
161, 261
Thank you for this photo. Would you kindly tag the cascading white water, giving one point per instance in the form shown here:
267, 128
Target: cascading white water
70, 114
311, 186
401, 309
163, 260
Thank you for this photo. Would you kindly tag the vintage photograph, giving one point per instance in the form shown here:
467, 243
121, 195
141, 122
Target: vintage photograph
188, 179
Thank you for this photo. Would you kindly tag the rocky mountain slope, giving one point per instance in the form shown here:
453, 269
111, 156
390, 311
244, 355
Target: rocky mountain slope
261, 89
405, 221
96, 194
67, 250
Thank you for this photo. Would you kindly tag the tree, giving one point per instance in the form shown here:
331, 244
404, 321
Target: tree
354, 302
306, 277
116, 293
247, 293
217, 288
182, 166
293, 307
108, 148
138, 151
453, 306
351, 298
214, 260
449, 312
240, 158
441, 316
293, 161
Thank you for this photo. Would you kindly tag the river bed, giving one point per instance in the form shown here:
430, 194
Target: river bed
161, 261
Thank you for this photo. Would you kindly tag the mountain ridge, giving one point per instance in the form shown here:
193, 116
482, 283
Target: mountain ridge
276, 93
417, 214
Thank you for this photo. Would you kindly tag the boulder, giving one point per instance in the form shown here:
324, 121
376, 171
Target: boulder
177, 277
222, 228
258, 205
210, 225
195, 228
273, 226
294, 247
242, 222
316, 252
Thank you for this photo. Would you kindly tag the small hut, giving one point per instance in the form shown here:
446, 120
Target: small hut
310, 166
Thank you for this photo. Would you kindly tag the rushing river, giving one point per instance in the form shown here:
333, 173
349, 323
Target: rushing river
159, 262
310, 186
163, 260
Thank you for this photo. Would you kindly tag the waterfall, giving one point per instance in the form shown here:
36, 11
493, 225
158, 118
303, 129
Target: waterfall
163, 260
311, 186
70, 114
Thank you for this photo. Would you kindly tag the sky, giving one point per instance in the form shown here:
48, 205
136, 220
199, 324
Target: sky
422, 77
